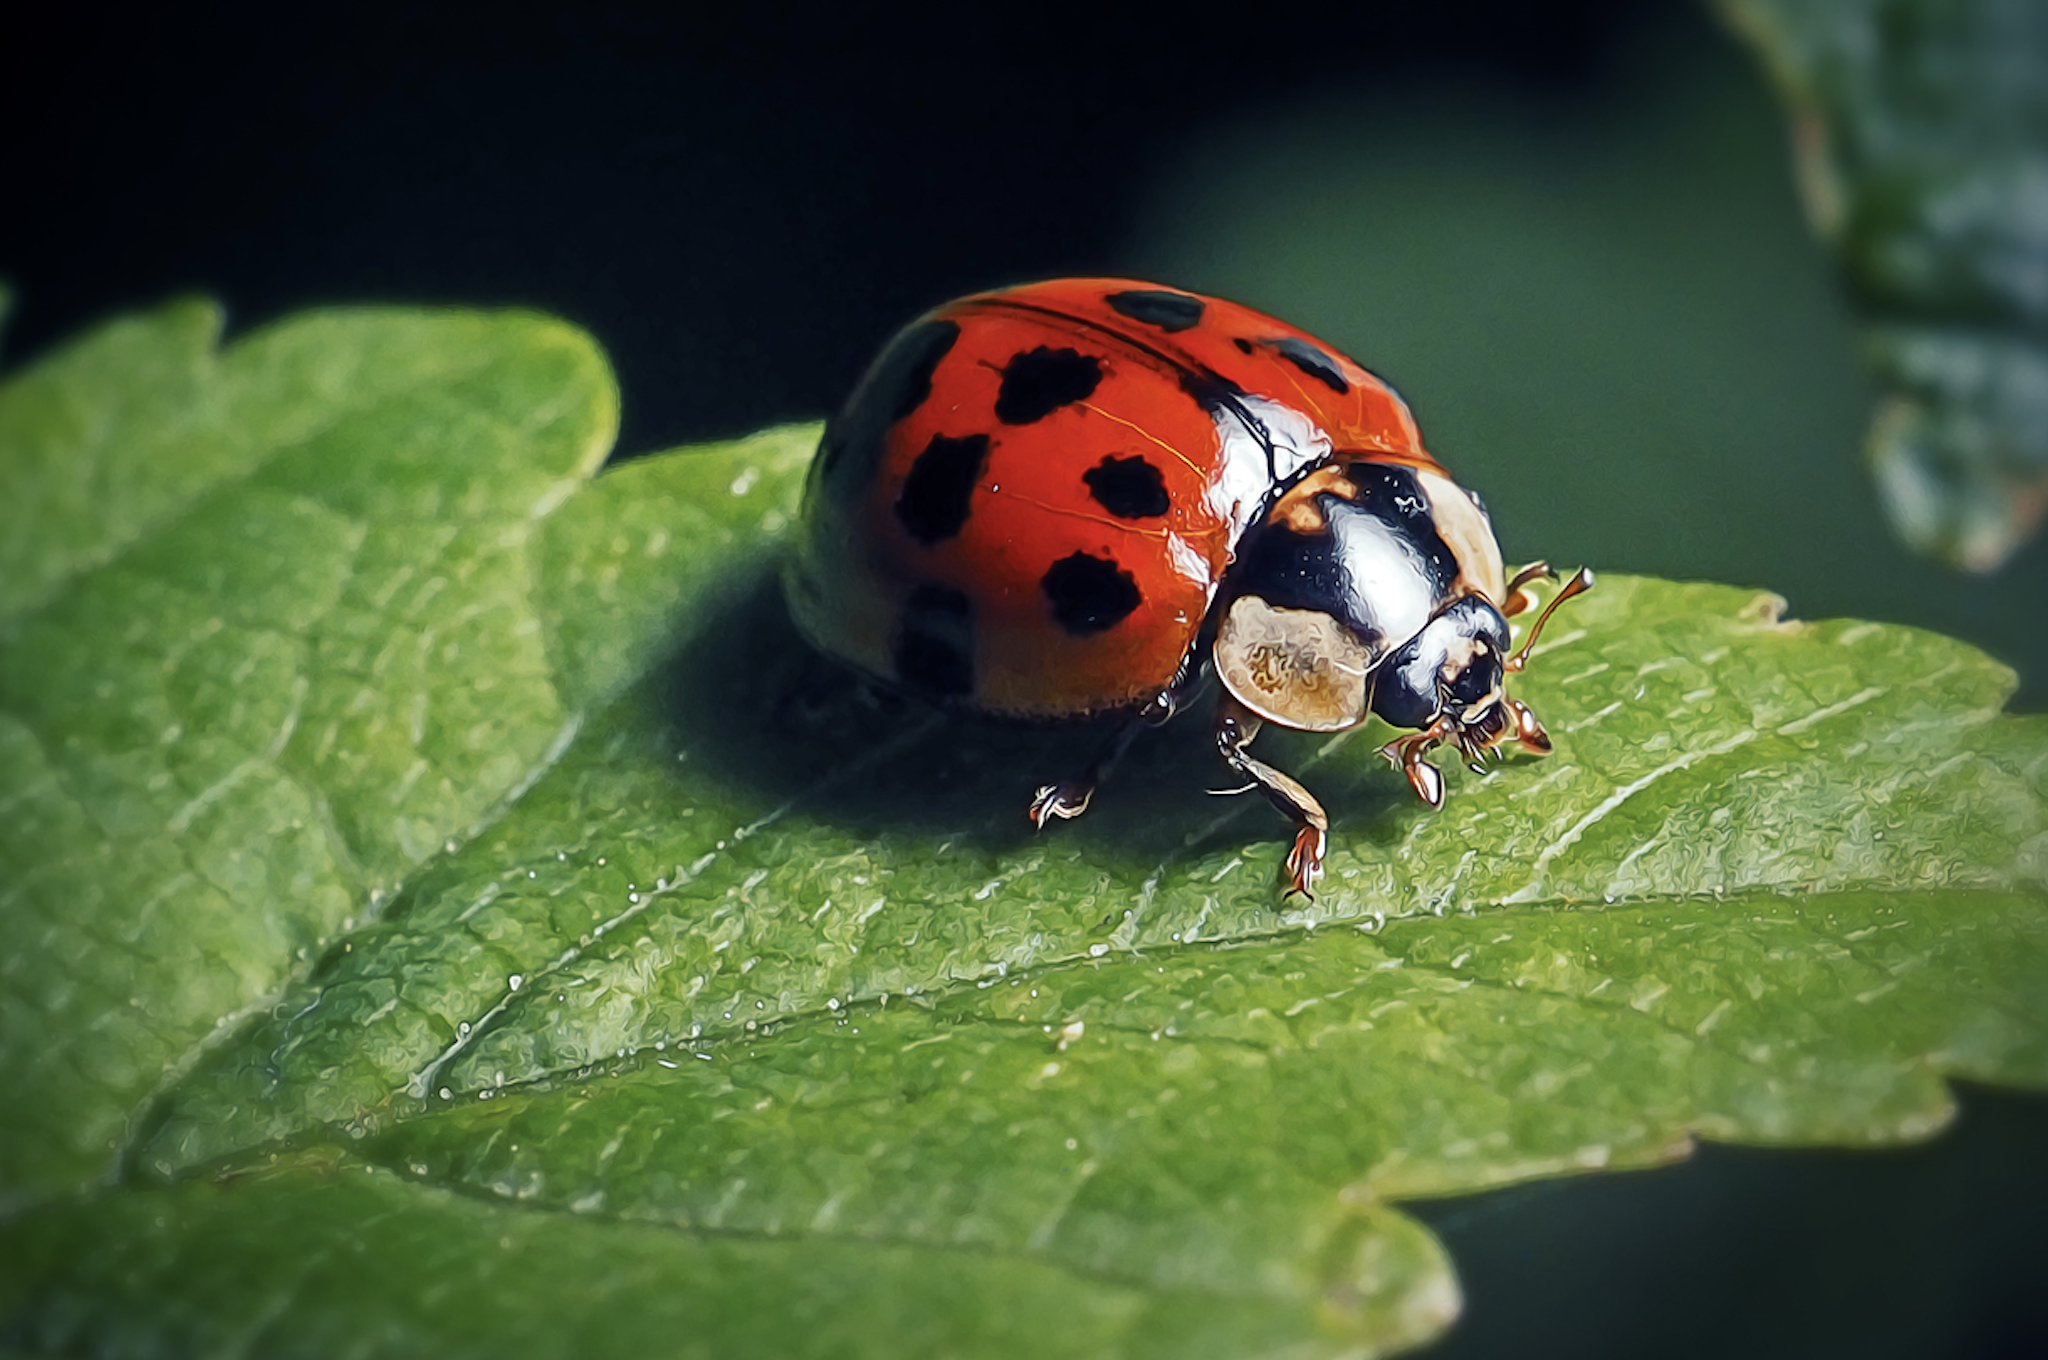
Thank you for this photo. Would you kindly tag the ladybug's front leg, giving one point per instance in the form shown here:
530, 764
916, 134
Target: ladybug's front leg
1235, 727
1407, 754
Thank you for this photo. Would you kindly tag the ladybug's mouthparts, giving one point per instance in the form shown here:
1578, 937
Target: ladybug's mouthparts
1480, 730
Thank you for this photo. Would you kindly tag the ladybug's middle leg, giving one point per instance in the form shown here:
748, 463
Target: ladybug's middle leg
1236, 725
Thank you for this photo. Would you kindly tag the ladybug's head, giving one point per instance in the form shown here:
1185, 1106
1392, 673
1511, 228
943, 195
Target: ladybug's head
1368, 587
1450, 681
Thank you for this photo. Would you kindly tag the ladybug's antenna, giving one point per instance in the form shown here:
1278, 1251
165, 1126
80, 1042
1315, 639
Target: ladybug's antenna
1578, 585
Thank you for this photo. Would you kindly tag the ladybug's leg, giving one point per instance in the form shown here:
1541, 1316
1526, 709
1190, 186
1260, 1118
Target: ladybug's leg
1528, 731
1407, 754
1069, 798
1519, 599
1235, 728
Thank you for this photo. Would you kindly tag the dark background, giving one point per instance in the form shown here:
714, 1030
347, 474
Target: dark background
1566, 232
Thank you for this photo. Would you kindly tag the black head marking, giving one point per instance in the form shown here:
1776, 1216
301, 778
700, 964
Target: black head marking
1168, 311
1129, 488
938, 491
934, 651
1039, 381
1089, 594
897, 384
1371, 559
1244, 346
1313, 362
1395, 495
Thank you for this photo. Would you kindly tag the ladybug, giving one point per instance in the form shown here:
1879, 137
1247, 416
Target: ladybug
1082, 497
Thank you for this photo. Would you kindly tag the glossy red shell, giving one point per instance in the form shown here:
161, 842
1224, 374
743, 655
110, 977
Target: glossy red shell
943, 503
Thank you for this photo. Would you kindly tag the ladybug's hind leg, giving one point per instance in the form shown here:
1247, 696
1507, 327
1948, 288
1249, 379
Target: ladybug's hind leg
1069, 798
1235, 728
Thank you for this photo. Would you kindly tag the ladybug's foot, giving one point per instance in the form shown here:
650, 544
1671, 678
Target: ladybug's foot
1069, 798
1066, 800
1305, 860
1407, 754
1528, 731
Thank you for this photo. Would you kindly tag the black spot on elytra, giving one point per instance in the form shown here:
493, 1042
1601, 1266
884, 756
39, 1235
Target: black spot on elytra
1313, 362
896, 384
1158, 307
1244, 346
1129, 488
1089, 594
1040, 381
934, 650
938, 491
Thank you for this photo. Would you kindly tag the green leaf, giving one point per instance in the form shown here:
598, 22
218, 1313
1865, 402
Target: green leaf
1921, 128
267, 639
746, 1008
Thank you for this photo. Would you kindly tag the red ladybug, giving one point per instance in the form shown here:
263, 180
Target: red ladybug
1079, 497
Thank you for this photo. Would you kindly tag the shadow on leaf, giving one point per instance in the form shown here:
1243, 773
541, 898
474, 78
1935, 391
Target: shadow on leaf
761, 709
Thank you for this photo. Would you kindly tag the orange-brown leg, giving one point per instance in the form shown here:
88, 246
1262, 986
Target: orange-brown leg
1407, 754
1236, 725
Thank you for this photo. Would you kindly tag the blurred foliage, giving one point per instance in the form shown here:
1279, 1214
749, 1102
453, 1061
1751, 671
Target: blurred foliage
1610, 315
1921, 134
447, 910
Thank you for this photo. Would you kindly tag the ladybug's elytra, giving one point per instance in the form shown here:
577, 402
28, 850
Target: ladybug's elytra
1080, 497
